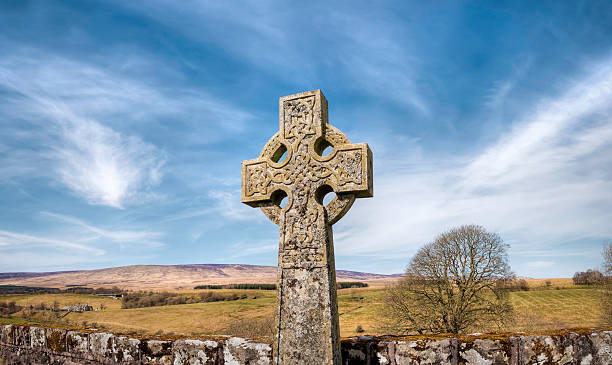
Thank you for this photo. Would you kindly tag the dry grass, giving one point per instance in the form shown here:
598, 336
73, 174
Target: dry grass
554, 282
187, 319
556, 309
62, 299
537, 310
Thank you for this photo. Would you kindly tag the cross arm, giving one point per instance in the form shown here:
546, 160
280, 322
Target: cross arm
256, 180
353, 170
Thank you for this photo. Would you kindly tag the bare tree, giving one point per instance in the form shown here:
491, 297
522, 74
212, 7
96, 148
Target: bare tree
453, 284
589, 277
607, 254
607, 288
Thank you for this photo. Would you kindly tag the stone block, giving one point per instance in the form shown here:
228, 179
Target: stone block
583, 351
424, 352
359, 350
601, 345
385, 352
56, 339
485, 351
77, 342
238, 351
125, 349
558, 350
18, 335
38, 337
101, 345
155, 352
195, 352
4, 333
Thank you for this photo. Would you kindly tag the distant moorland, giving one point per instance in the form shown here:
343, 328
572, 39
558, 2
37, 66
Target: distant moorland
176, 277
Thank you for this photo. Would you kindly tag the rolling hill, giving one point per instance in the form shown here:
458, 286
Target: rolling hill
169, 276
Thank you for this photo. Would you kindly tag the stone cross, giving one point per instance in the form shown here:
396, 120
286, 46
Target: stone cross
293, 165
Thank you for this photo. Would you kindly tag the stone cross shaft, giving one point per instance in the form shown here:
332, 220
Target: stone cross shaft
292, 164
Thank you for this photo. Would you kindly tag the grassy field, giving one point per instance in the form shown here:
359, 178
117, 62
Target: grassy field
554, 282
554, 309
539, 309
536, 310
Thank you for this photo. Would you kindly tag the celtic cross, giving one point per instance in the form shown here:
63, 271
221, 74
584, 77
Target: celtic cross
293, 165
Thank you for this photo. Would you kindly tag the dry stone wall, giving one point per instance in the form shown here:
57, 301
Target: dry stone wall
37, 345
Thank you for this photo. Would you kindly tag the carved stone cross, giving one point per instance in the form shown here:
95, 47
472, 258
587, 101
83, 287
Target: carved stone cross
292, 165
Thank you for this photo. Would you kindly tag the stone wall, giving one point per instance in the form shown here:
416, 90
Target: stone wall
36, 345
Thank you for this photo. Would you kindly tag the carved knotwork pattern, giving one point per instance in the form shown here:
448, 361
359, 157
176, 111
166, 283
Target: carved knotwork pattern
349, 168
304, 221
303, 166
298, 117
257, 179
301, 224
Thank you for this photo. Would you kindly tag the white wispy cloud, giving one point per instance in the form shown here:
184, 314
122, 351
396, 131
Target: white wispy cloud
96, 162
74, 243
377, 61
547, 180
20, 241
365, 51
539, 264
102, 165
80, 114
50, 260
219, 201
501, 89
123, 90
229, 205
141, 237
250, 248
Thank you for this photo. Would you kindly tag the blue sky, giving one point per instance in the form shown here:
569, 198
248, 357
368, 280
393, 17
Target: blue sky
124, 124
